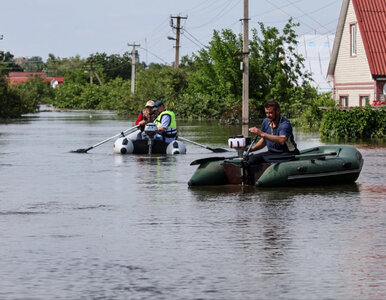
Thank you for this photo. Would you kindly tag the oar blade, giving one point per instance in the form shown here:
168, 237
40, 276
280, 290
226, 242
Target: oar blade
81, 150
205, 160
219, 150
106, 140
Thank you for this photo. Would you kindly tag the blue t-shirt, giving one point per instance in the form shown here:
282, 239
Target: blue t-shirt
283, 128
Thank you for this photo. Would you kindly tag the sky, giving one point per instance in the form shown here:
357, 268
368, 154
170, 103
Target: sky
83, 27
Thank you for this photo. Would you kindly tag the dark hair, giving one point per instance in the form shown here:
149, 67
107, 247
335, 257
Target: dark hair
272, 103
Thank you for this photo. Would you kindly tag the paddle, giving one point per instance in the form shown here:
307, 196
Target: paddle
215, 150
106, 140
292, 157
208, 159
215, 158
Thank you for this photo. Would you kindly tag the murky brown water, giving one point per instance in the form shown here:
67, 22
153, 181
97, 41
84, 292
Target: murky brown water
105, 226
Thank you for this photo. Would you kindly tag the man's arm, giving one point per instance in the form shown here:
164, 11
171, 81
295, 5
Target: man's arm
165, 121
278, 139
259, 145
140, 120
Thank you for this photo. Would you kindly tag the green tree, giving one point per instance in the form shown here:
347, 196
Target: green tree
7, 64
33, 64
113, 65
14, 101
276, 68
56, 66
35, 91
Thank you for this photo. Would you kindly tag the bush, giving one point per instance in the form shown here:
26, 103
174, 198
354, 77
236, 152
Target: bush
15, 100
360, 122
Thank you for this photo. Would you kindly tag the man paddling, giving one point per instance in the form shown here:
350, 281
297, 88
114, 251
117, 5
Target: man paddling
276, 133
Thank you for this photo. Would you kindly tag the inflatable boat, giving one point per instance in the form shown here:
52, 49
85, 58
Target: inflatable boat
148, 144
323, 165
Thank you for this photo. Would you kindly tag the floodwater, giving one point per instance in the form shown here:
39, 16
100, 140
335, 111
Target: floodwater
106, 226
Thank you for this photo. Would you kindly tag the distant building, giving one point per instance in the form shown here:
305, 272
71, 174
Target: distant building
357, 66
16, 77
316, 50
20, 60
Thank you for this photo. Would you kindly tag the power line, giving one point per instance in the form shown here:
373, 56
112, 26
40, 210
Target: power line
306, 14
220, 14
271, 10
155, 55
206, 10
192, 41
282, 10
185, 31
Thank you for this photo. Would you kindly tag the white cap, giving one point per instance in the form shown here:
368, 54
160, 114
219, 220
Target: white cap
150, 103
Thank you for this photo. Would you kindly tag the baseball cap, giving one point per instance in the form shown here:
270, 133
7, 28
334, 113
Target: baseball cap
158, 103
150, 103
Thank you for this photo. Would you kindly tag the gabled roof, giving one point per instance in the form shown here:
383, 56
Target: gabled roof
371, 17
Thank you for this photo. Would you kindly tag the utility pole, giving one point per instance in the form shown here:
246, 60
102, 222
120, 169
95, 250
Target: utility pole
133, 65
177, 39
245, 68
93, 72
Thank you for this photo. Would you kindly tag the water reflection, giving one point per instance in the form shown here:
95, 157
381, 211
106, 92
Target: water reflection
100, 225
203, 193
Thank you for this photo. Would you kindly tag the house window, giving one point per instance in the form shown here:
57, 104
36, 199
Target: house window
364, 100
353, 39
384, 91
343, 100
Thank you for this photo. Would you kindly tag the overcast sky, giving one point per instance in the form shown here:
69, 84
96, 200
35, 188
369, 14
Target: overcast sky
82, 27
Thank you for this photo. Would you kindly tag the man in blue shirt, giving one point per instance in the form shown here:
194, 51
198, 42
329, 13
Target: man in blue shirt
276, 133
166, 123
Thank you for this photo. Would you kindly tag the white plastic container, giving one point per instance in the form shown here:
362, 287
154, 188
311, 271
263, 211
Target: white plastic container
237, 142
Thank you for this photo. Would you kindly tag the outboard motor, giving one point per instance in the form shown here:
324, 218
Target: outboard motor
150, 130
238, 143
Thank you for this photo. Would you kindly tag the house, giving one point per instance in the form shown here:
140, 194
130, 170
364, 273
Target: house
357, 65
15, 77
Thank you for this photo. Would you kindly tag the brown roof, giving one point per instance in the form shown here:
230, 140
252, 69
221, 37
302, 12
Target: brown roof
27, 74
371, 16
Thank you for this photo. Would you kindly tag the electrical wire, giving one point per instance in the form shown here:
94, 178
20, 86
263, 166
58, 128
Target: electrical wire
306, 14
194, 37
220, 14
188, 38
155, 55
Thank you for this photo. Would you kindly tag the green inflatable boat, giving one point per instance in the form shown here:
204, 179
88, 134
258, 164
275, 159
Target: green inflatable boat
323, 165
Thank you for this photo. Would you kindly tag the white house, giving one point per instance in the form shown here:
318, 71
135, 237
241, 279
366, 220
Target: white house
357, 65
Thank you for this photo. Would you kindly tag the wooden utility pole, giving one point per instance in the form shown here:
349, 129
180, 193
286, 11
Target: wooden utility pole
93, 72
178, 33
245, 67
133, 65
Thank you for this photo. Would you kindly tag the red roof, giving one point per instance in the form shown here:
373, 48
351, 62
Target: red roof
371, 15
15, 77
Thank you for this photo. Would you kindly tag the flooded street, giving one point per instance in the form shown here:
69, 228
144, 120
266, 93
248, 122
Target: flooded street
106, 226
